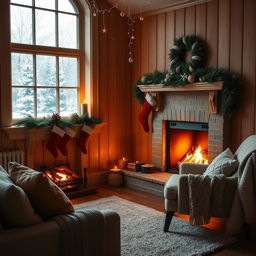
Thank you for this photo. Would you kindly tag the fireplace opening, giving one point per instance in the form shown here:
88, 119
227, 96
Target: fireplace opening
186, 142
63, 176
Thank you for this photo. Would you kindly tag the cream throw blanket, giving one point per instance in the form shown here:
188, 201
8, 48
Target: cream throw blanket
205, 193
244, 204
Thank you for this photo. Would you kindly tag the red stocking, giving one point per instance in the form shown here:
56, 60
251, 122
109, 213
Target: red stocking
54, 139
83, 137
146, 109
69, 133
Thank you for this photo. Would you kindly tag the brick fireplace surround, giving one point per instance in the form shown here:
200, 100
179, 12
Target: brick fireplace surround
188, 107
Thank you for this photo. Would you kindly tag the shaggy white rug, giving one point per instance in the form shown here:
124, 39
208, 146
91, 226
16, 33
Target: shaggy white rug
142, 231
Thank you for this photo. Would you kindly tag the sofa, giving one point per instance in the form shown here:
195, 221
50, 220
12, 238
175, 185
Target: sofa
37, 218
44, 239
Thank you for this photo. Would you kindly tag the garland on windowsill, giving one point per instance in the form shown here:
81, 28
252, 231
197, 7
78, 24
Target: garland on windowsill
30, 122
182, 73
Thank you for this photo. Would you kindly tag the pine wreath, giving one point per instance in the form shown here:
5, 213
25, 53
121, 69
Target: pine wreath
178, 51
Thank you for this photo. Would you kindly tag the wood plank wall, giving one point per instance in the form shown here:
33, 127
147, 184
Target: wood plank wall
228, 26
114, 107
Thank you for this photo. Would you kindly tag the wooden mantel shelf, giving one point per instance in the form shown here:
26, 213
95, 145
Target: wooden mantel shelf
211, 88
202, 86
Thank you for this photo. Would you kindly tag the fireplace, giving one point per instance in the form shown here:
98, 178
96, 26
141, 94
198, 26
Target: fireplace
185, 142
201, 127
63, 176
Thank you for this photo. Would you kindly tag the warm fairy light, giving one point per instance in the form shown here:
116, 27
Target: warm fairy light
141, 18
132, 37
104, 30
94, 14
115, 167
195, 156
122, 14
124, 159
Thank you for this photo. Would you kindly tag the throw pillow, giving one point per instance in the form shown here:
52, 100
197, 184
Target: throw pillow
224, 163
47, 198
15, 207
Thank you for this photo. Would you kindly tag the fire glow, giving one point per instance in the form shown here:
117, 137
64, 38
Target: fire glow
195, 155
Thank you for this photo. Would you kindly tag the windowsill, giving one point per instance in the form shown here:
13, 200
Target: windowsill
35, 134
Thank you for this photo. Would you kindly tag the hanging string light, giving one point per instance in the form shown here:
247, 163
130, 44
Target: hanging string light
130, 22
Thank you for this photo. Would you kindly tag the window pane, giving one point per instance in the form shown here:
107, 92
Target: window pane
66, 6
26, 2
22, 69
45, 28
49, 4
22, 102
46, 70
21, 25
67, 31
46, 102
68, 72
68, 101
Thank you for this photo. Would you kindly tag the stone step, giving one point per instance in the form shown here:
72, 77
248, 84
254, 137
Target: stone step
152, 183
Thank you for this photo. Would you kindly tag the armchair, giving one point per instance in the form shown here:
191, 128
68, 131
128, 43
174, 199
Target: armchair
238, 195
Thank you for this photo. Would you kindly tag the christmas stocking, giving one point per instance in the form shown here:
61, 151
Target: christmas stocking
54, 139
83, 137
69, 133
146, 109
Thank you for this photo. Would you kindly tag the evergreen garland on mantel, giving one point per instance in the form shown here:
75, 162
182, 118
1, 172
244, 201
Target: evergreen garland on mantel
182, 73
30, 122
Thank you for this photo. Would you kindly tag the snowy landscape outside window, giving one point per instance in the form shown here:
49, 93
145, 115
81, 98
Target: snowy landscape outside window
45, 58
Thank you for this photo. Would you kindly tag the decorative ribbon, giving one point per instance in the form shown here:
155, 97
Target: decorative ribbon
175, 47
193, 46
172, 62
184, 40
191, 69
195, 57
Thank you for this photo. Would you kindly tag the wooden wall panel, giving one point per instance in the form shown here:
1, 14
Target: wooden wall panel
249, 53
228, 27
170, 35
161, 42
114, 104
236, 60
201, 12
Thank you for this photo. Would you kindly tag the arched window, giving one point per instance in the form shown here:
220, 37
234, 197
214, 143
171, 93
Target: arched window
46, 57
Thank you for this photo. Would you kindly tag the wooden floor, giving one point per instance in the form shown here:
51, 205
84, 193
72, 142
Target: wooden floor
243, 247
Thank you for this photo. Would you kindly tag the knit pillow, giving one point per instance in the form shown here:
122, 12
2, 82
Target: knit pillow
15, 207
47, 198
224, 163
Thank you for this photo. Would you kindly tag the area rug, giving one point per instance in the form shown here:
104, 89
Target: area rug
142, 231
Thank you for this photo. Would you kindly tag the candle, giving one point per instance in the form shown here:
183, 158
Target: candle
115, 169
122, 163
84, 108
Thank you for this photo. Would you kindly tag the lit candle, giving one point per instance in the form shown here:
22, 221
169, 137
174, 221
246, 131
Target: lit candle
122, 163
115, 169
84, 108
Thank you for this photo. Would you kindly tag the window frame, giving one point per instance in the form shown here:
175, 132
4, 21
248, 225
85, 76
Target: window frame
55, 51
88, 62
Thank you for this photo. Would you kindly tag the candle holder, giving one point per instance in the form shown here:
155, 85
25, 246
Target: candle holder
122, 163
115, 177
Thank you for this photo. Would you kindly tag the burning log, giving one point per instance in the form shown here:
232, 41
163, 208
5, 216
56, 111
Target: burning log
195, 155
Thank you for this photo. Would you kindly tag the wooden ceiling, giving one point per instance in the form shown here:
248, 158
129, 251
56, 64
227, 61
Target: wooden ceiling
136, 7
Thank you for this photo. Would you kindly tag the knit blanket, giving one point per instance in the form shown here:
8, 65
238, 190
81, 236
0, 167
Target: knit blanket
205, 193
81, 233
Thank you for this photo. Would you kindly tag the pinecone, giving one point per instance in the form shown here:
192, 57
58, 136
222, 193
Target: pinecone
56, 117
74, 117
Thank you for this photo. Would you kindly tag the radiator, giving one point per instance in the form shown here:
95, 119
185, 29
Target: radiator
11, 156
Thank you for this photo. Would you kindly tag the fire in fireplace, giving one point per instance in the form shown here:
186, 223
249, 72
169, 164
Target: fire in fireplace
186, 142
63, 176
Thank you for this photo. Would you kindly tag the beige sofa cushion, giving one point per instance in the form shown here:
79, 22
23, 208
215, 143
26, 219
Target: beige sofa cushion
15, 208
47, 198
224, 163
